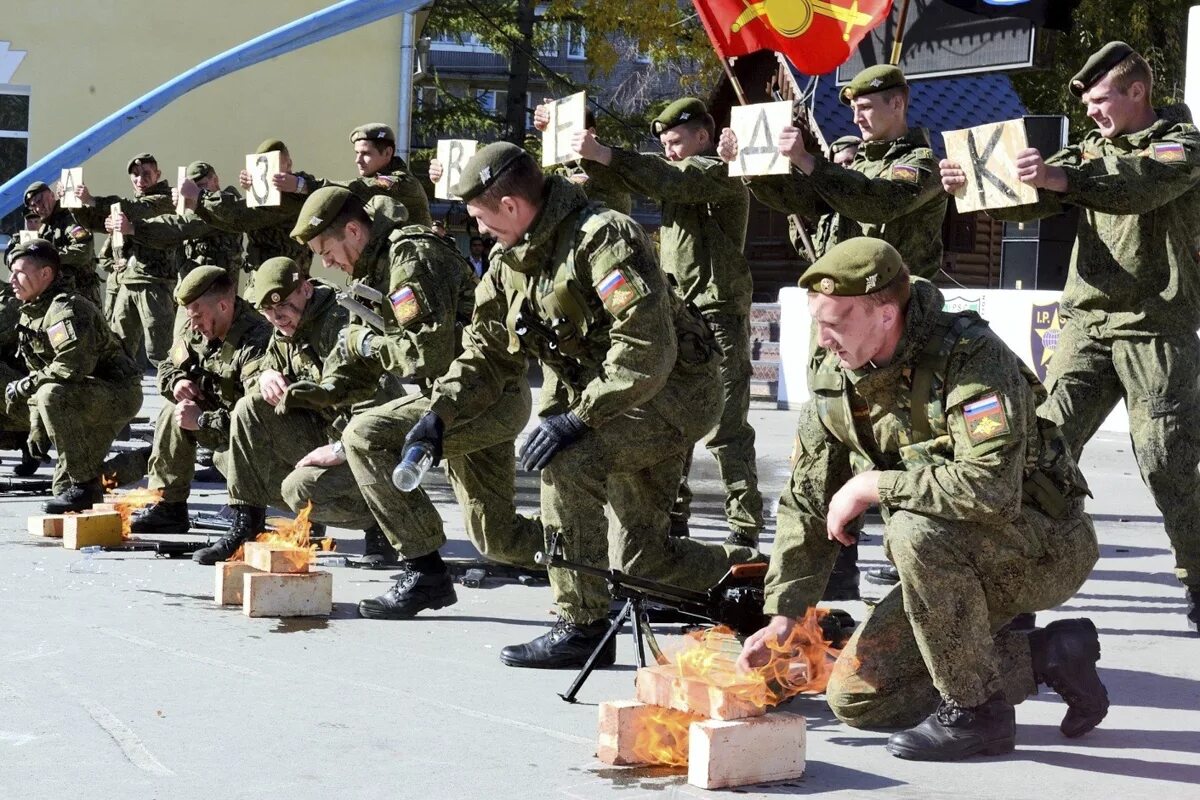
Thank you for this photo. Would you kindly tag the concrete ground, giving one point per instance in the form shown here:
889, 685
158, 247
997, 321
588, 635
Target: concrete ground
130, 683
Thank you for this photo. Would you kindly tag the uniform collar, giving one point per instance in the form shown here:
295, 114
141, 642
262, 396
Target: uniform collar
919, 321
535, 249
877, 151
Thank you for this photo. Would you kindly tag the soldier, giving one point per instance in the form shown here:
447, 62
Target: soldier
212, 363
141, 311
198, 242
890, 189
81, 389
703, 235
14, 421
1131, 305
275, 425
430, 295
56, 225
631, 385
600, 187
930, 416
382, 172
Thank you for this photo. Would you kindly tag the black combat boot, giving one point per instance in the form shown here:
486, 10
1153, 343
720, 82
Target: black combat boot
952, 732
843, 580
566, 646
742, 539
883, 576
29, 463
162, 517
378, 552
679, 528
1193, 612
1064, 657
416, 591
248, 522
76, 497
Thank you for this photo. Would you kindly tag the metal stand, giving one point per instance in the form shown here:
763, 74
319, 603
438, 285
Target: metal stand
632, 611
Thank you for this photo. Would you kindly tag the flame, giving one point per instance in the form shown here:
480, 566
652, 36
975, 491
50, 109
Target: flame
803, 662
128, 502
663, 737
284, 532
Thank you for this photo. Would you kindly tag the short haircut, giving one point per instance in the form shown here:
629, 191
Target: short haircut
523, 178
476, 240
379, 144
41, 256
898, 290
353, 210
887, 95
222, 286
1132, 69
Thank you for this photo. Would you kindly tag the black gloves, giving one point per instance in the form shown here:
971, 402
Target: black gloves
552, 435
429, 430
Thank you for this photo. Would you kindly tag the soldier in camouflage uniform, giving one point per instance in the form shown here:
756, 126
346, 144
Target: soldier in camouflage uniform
931, 417
428, 290
382, 172
212, 363
73, 241
141, 311
704, 231
303, 397
198, 242
631, 384
1131, 305
81, 389
14, 422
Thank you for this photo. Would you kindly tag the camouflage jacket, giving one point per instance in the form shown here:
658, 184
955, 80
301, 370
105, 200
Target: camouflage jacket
75, 248
64, 339
224, 369
977, 453
581, 292
267, 228
199, 242
602, 187
428, 291
704, 216
1135, 270
395, 181
892, 191
139, 262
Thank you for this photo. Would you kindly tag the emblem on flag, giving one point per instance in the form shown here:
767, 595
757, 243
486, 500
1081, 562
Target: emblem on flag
405, 305
985, 418
1169, 152
906, 172
617, 292
60, 334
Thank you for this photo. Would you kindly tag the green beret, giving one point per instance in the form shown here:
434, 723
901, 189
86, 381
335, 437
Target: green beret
683, 110
878, 78
199, 170
197, 282
140, 158
33, 247
271, 146
844, 143
485, 167
318, 211
1098, 66
274, 280
373, 132
855, 267
33, 189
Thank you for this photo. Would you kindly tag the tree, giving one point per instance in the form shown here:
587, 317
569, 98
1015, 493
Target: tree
1155, 28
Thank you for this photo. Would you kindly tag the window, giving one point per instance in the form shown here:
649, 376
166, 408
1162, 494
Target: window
461, 42
14, 143
576, 41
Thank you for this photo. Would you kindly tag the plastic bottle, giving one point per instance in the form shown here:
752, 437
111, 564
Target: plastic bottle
412, 467
87, 564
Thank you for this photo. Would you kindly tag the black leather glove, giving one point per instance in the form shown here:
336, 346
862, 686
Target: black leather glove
429, 430
552, 435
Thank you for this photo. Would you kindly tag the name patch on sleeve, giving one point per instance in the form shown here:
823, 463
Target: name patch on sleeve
985, 418
405, 304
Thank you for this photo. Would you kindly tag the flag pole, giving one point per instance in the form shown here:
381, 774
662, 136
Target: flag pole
737, 85
898, 44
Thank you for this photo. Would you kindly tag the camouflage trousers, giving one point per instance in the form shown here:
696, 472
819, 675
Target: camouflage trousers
14, 419
633, 465
1159, 379
732, 440
942, 632
144, 314
81, 420
480, 465
263, 450
173, 458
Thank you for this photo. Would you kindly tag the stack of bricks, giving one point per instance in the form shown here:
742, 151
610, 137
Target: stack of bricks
274, 581
730, 742
99, 527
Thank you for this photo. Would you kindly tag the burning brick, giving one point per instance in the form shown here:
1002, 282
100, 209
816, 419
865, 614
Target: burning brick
277, 557
635, 733
88, 530
229, 583
304, 594
664, 686
724, 753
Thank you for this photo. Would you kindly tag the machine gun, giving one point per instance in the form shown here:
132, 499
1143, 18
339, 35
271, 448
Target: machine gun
352, 300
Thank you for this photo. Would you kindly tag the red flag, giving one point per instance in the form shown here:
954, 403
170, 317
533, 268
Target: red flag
815, 35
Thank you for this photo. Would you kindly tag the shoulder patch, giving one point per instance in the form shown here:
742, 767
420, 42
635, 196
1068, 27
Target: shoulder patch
384, 181
1168, 152
179, 353
905, 172
79, 233
61, 333
405, 304
985, 418
617, 292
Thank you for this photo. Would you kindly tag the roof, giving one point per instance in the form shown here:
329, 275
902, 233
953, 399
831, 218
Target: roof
937, 104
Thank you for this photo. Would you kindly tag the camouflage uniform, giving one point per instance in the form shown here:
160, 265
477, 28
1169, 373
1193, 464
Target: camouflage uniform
267, 228
981, 504
76, 251
197, 241
602, 187
430, 289
141, 309
86, 387
1130, 311
395, 181
704, 215
14, 420
223, 369
264, 446
891, 191
637, 367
